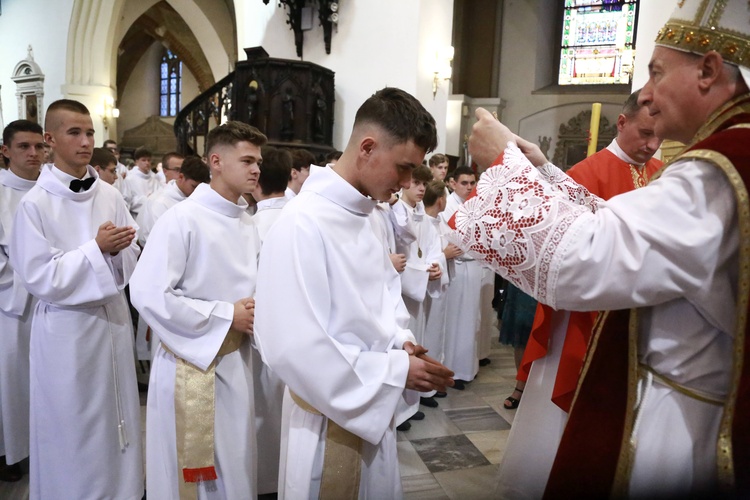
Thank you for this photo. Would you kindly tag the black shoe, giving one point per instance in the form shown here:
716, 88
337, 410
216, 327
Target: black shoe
440, 394
485, 362
428, 402
512, 403
459, 385
404, 427
417, 416
10, 473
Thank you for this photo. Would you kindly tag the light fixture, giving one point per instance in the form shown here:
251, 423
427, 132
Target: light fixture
109, 111
442, 69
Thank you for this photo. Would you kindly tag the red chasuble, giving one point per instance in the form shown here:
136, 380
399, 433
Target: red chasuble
591, 461
605, 175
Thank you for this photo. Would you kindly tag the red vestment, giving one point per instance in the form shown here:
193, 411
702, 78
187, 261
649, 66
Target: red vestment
605, 175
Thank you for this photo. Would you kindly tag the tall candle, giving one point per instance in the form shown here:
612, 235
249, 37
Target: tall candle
596, 113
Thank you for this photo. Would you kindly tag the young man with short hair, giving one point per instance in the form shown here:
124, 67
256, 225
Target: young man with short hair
23, 151
345, 353
141, 181
73, 247
439, 165
269, 389
105, 164
193, 286
302, 159
193, 171
463, 297
170, 167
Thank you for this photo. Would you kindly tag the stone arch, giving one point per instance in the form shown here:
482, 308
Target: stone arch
97, 27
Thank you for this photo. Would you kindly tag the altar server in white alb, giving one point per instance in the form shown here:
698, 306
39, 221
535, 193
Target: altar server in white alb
23, 151
330, 321
192, 171
73, 247
194, 286
269, 389
141, 181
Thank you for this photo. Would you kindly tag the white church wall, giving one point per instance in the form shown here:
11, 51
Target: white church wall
21, 25
377, 44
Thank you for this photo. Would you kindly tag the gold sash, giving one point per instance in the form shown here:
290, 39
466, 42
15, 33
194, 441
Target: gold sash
194, 407
342, 460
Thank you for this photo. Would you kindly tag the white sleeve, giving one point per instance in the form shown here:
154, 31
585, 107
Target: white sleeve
356, 387
644, 247
192, 328
78, 277
13, 296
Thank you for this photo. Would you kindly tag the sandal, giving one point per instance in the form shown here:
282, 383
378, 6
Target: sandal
513, 401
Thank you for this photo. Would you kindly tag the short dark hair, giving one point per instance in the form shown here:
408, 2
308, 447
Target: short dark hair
301, 158
233, 132
433, 192
459, 171
65, 105
169, 156
142, 152
401, 115
631, 106
20, 126
274, 170
421, 173
333, 155
437, 159
108, 142
102, 158
195, 169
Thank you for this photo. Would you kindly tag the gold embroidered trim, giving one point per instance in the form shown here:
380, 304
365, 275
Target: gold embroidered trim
682, 389
732, 47
194, 409
639, 175
342, 459
724, 443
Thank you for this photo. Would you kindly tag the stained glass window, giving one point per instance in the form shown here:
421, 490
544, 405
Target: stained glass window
170, 87
598, 42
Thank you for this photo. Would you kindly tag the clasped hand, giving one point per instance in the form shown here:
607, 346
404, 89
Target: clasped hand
111, 239
426, 373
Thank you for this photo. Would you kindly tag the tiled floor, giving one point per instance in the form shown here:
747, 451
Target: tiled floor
453, 453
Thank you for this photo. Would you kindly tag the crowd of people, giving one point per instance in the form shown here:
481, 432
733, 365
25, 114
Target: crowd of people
295, 316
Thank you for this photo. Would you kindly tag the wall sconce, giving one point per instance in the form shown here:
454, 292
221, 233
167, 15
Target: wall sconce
109, 111
442, 68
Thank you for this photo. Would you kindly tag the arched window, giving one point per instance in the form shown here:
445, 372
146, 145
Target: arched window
170, 84
598, 42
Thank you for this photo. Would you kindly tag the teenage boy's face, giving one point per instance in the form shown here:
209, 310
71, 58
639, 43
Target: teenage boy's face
240, 167
144, 164
464, 184
25, 152
388, 167
415, 193
108, 174
439, 171
71, 138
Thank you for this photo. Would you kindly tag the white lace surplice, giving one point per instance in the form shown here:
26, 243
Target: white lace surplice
516, 221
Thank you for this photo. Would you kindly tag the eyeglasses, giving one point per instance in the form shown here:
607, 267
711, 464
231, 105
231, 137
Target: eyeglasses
171, 169
114, 150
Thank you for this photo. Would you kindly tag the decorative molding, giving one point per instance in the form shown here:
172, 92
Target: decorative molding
573, 138
29, 81
328, 14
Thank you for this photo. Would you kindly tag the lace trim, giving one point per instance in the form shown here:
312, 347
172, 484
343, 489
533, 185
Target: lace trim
516, 222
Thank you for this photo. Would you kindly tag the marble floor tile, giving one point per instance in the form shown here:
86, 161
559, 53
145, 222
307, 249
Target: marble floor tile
482, 388
478, 483
435, 424
449, 453
461, 399
409, 463
424, 487
490, 443
477, 419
